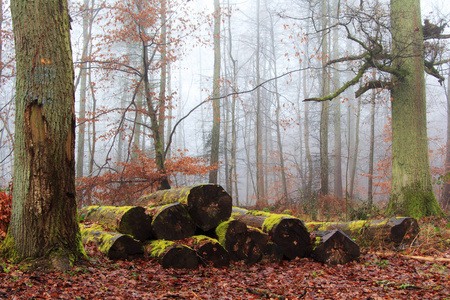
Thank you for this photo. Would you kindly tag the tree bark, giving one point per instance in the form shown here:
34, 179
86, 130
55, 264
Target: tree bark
446, 192
43, 218
172, 255
289, 233
396, 232
334, 247
130, 220
207, 204
113, 245
171, 222
215, 134
411, 189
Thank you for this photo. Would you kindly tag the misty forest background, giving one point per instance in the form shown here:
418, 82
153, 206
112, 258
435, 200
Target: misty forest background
271, 56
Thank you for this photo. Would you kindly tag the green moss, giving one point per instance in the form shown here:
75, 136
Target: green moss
158, 247
221, 230
200, 238
272, 220
414, 201
8, 249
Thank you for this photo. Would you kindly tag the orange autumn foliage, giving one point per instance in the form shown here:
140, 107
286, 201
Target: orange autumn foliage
5, 212
137, 177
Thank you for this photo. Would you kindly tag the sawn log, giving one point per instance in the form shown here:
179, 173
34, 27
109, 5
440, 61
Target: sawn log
130, 220
397, 232
171, 222
113, 245
334, 247
172, 255
207, 204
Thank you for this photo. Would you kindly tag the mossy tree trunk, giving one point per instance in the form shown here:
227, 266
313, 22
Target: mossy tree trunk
44, 207
411, 193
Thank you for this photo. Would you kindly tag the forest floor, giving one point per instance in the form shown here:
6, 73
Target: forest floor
420, 272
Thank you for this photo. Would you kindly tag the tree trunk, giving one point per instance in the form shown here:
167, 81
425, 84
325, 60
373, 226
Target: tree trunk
261, 200
113, 245
371, 151
130, 220
172, 255
334, 247
289, 233
397, 232
324, 114
411, 189
355, 150
43, 218
215, 134
171, 222
210, 251
446, 192
207, 204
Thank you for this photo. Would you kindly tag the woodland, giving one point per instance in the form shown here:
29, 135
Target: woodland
305, 113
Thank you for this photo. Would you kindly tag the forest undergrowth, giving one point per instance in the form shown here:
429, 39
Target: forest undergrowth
418, 272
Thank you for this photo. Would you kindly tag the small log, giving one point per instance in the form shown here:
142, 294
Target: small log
172, 255
210, 251
397, 232
289, 233
334, 247
171, 222
207, 204
232, 235
271, 253
130, 220
114, 245
242, 242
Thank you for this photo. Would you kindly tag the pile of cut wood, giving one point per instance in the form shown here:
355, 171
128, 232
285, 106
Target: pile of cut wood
183, 227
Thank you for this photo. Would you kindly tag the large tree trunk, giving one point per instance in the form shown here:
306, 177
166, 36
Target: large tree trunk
113, 245
397, 232
130, 220
411, 193
43, 218
207, 204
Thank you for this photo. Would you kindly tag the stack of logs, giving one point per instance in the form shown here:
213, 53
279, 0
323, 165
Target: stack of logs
183, 227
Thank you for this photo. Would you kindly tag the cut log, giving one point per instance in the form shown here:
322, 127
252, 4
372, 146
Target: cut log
210, 251
130, 220
242, 242
207, 204
271, 253
172, 255
113, 245
289, 233
171, 222
334, 247
232, 235
396, 232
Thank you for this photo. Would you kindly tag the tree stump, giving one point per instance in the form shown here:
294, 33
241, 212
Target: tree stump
130, 220
289, 233
172, 255
210, 251
207, 204
113, 245
396, 232
334, 247
171, 222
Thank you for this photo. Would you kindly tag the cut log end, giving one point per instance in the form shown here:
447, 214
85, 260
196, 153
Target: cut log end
334, 247
292, 237
172, 222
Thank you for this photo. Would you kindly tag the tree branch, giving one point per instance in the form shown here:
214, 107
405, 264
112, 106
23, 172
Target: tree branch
374, 84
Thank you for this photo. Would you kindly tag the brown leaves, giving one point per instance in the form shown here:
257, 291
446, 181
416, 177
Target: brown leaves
5, 212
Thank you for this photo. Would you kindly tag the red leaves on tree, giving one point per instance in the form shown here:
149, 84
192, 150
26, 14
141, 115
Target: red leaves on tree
5, 212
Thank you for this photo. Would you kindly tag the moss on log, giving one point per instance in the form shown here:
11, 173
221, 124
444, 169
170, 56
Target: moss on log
172, 255
207, 204
171, 222
334, 247
289, 233
395, 232
130, 220
210, 251
113, 245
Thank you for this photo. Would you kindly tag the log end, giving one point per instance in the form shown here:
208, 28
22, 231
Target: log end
334, 247
291, 235
172, 222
